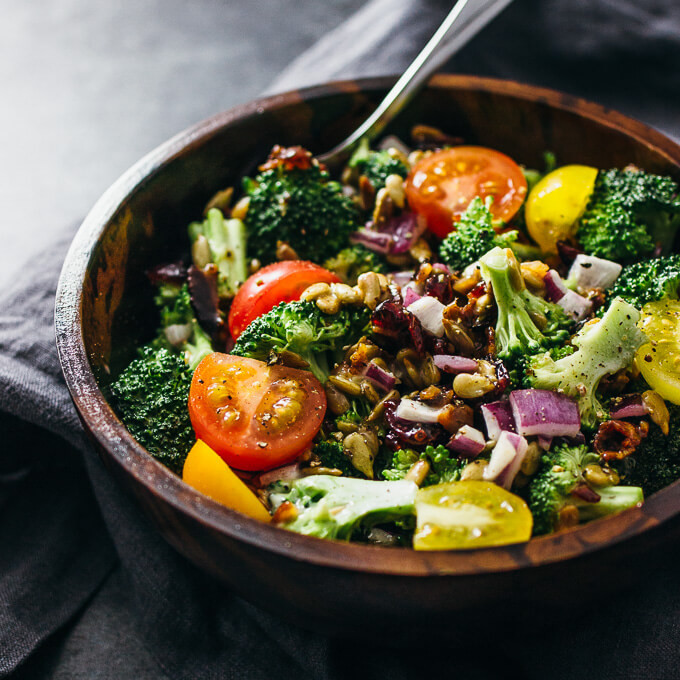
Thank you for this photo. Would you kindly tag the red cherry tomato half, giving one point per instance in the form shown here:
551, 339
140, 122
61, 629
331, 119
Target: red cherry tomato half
441, 186
278, 282
255, 416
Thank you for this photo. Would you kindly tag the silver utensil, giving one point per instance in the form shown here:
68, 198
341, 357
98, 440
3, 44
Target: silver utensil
462, 23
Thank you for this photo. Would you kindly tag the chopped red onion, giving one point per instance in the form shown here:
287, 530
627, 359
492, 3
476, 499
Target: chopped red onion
575, 306
405, 229
544, 442
380, 377
589, 272
630, 406
179, 333
468, 442
291, 471
410, 296
402, 278
373, 240
497, 418
585, 493
543, 412
441, 267
416, 411
554, 286
450, 363
429, 311
506, 459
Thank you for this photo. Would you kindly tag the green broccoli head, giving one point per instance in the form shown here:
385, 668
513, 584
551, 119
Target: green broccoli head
177, 320
350, 263
151, 397
474, 235
376, 166
223, 243
561, 471
603, 347
332, 454
648, 281
298, 205
301, 327
656, 461
444, 465
520, 312
628, 214
338, 507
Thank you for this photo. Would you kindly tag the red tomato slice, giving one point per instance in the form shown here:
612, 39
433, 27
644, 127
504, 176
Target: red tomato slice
441, 186
278, 282
255, 416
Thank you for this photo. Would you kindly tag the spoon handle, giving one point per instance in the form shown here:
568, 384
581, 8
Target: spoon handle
462, 23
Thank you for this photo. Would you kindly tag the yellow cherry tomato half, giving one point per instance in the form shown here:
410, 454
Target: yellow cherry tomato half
206, 472
659, 359
469, 514
556, 202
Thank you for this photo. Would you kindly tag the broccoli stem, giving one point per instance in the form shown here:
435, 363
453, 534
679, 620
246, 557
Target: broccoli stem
613, 499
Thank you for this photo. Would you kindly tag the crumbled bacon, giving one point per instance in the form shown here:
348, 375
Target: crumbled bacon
616, 439
289, 157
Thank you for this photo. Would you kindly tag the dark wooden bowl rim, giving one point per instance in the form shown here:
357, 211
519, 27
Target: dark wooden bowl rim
110, 433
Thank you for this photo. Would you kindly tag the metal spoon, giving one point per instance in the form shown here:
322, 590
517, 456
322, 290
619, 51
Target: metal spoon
462, 23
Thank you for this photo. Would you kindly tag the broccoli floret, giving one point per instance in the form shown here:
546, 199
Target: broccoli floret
376, 166
333, 455
174, 303
298, 205
603, 347
656, 461
628, 214
301, 327
351, 262
337, 507
444, 467
561, 471
474, 235
648, 281
151, 397
226, 242
520, 312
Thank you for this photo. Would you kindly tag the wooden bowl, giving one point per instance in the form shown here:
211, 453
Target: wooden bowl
104, 311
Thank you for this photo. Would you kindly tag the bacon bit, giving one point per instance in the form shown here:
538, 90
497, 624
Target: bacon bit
286, 512
585, 493
616, 439
288, 157
366, 193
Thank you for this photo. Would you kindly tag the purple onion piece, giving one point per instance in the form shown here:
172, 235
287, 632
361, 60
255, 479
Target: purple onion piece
506, 459
376, 241
451, 363
554, 286
402, 278
405, 230
173, 272
544, 412
410, 296
575, 306
291, 471
497, 418
380, 377
630, 406
545, 442
468, 442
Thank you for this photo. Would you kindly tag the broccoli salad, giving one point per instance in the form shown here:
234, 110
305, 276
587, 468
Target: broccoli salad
439, 349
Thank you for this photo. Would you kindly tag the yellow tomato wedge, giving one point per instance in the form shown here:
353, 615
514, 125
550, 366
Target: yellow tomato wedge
206, 472
469, 514
555, 204
659, 359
